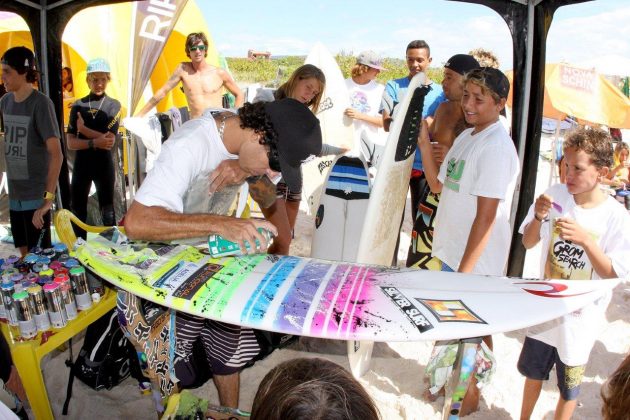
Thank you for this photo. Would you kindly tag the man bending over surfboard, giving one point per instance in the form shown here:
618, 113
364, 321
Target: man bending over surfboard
266, 138
202, 82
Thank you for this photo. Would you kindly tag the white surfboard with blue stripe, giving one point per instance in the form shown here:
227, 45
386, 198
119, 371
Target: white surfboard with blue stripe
341, 212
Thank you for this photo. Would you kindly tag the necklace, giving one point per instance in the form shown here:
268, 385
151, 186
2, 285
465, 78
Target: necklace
222, 126
93, 111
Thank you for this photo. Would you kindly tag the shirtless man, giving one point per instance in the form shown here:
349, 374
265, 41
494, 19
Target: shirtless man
449, 121
202, 81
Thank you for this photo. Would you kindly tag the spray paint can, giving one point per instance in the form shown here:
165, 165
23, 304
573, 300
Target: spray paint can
30, 259
43, 260
71, 263
39, 267
62, 270
63, 258
3, 313
26, 320
16, 278
12, 259
50, 253
42, 280
32, 277
38, 301
60, 249
81, 288
55, 265
10, 312
22, 267
68, 296
55, 305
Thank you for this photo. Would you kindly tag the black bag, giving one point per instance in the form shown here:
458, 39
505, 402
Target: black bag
106, 359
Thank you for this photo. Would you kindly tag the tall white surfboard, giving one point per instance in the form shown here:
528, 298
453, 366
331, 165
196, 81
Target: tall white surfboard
387, 199
337, 129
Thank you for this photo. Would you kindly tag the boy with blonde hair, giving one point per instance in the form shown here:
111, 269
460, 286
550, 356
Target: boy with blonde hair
587, 235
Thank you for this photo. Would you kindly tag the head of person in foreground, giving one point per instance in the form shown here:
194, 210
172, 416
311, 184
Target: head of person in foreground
312, 388
616, 393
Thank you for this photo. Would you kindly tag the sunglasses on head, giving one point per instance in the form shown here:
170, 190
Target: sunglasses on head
274, 157
197, 47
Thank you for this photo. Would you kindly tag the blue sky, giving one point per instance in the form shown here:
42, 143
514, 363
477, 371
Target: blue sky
578, 33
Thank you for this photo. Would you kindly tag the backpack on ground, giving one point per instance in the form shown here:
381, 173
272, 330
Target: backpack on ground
106, 358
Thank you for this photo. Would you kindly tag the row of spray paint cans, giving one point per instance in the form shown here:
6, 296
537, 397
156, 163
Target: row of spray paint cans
44, 290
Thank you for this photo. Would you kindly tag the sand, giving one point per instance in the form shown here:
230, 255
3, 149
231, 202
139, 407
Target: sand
395, 378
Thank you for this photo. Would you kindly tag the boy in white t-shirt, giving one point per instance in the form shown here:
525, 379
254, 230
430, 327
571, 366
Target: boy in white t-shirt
365, 101
477, 179
587, 235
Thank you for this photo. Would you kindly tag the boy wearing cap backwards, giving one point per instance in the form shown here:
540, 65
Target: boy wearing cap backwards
32, 150
365, 99
202, 83
92, 129
448, 123
472, 226
590, 240
266, 138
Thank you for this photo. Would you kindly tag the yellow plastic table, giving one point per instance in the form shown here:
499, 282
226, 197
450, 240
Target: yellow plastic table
27, 355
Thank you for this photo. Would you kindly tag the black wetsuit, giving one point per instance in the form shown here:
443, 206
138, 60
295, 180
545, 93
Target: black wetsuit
102, 114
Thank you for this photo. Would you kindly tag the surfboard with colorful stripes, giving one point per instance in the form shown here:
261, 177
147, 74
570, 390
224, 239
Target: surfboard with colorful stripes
341, 212
319, 298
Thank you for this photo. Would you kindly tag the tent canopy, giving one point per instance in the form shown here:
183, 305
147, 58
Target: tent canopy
528, 21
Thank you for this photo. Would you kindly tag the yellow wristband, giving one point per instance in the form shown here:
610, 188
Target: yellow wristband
49, 196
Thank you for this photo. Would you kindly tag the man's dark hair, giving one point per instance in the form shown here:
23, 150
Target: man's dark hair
418, 44
254, 116
194, 38
22, 60
314, 389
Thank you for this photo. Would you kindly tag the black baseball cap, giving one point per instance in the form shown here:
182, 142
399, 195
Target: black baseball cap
494, 79
19, 58
462, 63
299, 137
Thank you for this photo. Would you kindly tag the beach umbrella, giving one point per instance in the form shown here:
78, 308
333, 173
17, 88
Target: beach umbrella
584, 94
142, 41
609, 64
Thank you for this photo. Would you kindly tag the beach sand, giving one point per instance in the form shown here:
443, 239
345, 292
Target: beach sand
395, 379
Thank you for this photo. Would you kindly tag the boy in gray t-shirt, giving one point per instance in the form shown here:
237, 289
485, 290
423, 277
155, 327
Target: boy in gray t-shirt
32, 150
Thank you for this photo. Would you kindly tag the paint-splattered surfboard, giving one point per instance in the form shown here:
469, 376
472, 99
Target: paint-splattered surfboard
328, 299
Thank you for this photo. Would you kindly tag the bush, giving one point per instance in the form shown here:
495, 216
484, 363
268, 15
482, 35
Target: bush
274, 72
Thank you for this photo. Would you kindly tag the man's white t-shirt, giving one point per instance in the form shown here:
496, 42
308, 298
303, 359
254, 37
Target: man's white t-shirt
366, 99
574, 335
480, 165
179, 179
